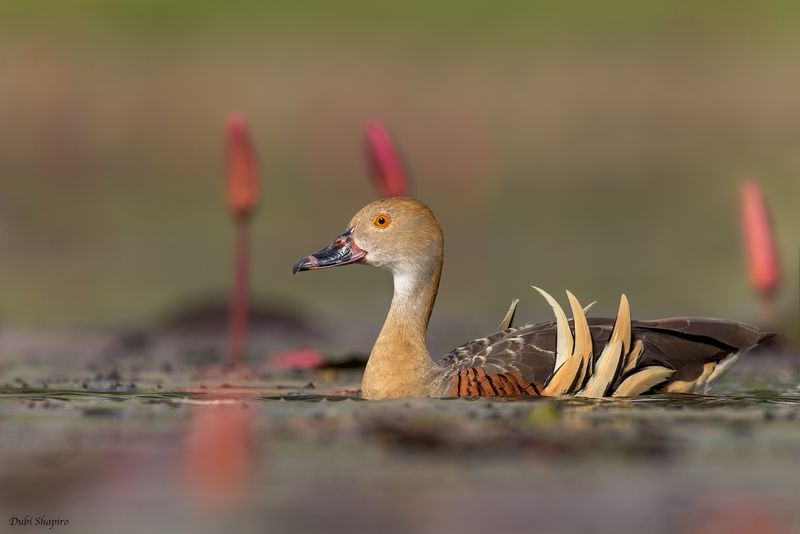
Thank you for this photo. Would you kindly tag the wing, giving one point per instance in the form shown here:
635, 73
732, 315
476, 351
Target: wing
528, 351
603, 357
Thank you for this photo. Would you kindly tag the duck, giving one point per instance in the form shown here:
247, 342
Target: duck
583, 357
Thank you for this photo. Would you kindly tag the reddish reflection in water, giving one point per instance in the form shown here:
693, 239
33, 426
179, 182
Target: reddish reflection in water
218, 455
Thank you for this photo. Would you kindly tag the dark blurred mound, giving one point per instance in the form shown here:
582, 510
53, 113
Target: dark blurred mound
209, 315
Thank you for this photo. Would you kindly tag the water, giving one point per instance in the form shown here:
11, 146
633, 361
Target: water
288, 455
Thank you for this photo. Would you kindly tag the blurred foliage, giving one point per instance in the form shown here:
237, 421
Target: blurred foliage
584, 18
572, 144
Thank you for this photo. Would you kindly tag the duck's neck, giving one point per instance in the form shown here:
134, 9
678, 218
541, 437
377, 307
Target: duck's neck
399, 364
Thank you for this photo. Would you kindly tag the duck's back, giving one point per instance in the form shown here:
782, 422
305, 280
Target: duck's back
697, 349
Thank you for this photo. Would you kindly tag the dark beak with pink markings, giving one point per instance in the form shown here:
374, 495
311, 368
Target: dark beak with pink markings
343, 251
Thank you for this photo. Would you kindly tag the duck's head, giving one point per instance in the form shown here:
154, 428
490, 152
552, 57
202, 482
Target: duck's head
399, 234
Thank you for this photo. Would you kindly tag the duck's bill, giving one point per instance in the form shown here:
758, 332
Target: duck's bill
343, 251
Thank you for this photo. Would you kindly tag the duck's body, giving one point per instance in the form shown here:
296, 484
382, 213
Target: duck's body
598, 357
698, 350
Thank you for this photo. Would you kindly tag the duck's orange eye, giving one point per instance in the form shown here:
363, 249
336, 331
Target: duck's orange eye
382, 221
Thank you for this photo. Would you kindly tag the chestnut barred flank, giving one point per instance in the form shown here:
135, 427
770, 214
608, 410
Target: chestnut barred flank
476, 383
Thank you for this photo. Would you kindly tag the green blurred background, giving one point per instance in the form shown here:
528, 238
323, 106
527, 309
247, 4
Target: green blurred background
572, 144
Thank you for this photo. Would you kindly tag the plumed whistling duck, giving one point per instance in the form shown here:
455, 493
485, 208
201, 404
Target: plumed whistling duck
590, 358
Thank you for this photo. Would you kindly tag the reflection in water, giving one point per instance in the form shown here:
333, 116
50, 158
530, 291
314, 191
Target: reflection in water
335, 462
219, 453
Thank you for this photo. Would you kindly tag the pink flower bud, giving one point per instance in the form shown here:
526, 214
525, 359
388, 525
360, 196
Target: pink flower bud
387, 167
296, 360
759, 240
242, 169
